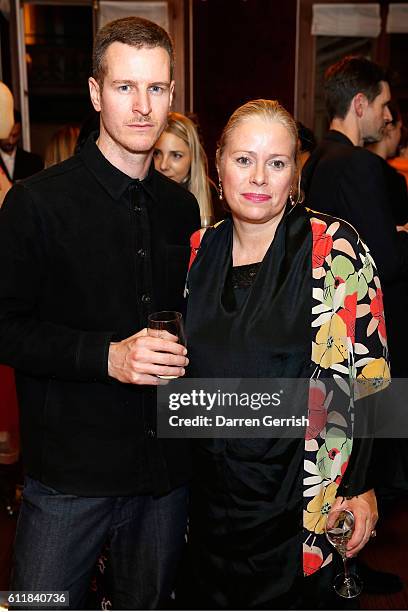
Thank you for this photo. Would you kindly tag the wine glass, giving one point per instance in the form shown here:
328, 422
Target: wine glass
346, 584
170, 321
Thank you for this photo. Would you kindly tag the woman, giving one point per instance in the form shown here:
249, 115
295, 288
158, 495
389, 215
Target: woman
61, 145
273, 292
180, 156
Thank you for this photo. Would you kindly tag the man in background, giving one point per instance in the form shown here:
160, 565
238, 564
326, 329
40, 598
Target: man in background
15, 161
346, 180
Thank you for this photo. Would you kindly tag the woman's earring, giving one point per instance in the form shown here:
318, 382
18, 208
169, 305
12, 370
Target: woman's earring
220, 193
291, 199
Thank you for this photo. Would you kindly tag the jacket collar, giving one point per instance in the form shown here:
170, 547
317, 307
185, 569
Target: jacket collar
336, 136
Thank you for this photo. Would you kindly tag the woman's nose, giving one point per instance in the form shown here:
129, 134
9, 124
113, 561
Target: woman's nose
259, 175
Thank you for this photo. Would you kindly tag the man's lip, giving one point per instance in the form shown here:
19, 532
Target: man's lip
256, 197
140, 125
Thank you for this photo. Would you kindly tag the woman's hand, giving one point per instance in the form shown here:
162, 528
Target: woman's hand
364, 508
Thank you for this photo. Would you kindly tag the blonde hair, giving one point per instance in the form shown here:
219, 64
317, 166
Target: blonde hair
269, 110
61, 145
197, 179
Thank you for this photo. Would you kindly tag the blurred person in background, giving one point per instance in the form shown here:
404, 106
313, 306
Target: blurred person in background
307, 143
15, 161
400, 162
180, 156
9, 438
387, 148
62, 145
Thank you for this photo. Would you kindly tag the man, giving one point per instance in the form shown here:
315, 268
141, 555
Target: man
15, 162
343, 179
89, 248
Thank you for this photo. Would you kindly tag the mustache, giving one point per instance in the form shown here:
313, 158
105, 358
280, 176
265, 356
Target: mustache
140, 119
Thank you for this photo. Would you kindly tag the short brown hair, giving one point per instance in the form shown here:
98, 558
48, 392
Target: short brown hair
133, 31
346, 78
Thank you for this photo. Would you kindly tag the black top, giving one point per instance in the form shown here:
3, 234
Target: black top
26, 164
397, 188
350, 182
346, 181
253, 322
87, 253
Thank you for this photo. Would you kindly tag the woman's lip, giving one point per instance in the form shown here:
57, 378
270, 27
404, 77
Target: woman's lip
256, 197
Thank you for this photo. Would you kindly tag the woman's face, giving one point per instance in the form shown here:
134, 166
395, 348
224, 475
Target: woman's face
257, 169
172, 157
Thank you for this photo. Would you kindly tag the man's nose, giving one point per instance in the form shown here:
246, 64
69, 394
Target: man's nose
387, 114
141, 103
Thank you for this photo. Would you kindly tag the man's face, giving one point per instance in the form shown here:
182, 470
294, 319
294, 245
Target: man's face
135, 97
9, 144
376, 115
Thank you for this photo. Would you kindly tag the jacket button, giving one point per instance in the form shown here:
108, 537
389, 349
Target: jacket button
141, 253
137, 208
145, 298
151, 433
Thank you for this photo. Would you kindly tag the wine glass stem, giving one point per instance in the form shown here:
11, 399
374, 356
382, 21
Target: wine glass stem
346, 569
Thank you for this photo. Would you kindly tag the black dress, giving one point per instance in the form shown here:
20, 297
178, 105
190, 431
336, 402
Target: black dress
245, 537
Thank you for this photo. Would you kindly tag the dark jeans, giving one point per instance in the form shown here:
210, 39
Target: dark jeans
59, 538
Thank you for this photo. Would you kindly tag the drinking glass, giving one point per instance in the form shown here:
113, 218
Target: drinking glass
170, 321
346, 584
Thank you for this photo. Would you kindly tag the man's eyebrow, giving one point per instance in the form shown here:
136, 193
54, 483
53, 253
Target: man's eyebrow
130, 82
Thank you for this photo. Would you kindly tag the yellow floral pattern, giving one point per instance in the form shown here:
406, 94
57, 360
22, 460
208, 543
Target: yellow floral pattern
348, 357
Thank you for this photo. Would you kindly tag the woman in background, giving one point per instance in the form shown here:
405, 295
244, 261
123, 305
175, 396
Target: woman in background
61, 145
180, 156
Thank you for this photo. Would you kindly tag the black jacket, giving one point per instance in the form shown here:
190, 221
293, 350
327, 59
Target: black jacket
349, 182
86, 254
26, 164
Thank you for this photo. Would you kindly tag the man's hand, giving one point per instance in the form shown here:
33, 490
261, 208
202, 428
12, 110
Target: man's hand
141, 358
364, 508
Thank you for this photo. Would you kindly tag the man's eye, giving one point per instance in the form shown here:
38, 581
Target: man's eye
124, 88
243, 161
156, 89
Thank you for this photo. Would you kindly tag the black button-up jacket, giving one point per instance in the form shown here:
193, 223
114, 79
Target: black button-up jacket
86, 253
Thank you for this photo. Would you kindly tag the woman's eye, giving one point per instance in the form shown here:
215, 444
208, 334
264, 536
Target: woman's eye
156, 152
243, 161
278, 164
177, 155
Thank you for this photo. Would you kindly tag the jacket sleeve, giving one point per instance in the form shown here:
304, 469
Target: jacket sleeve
366, 202
28, 342
370, 369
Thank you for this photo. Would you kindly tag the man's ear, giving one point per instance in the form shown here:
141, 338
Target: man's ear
359, 104
172, 85
95, 93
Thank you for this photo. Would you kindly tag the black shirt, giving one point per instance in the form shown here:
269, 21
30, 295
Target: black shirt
87, 253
